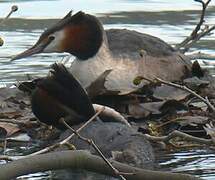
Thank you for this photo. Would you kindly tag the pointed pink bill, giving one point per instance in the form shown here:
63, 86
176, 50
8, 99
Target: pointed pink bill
33, 50
37, 48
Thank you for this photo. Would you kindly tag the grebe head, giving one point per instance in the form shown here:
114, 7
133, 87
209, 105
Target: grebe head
80, 35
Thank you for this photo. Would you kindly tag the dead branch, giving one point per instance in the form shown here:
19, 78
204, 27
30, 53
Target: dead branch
182, 135
92, 143
205, 100
206, 31
80, 160
200, 55
204, 7
195, 34
54, 146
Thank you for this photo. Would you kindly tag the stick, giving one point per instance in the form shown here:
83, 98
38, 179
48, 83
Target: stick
205, 31
176, 133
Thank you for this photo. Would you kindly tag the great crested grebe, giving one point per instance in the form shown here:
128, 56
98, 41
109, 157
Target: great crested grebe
96, 50
60, 95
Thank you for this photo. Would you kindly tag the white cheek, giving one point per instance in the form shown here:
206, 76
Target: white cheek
54, 46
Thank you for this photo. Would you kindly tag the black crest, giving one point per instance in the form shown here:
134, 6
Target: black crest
88, 40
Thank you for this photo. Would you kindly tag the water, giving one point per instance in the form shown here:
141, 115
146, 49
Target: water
199, 162
170, 20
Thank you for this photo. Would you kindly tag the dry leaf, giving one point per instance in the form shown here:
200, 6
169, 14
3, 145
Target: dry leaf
137, 111
10, 115
97, 87
9, 128
195, 83
165, 92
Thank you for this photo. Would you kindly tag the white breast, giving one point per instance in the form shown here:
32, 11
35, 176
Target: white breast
121, 77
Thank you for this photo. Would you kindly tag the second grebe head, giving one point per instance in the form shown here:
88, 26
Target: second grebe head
80, 35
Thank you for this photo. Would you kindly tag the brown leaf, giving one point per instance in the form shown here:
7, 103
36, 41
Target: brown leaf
10, 115
172, 106
163, 106
97, 87
138, 111
165, 92
144, 109
195, 83
9, 128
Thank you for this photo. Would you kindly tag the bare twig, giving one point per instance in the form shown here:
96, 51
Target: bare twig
92, 143
175, 134
195, 35
205, 31
201, 21
165, 123
205, 100
52, 147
